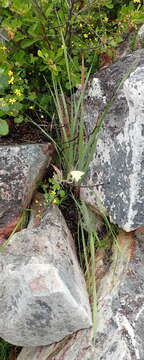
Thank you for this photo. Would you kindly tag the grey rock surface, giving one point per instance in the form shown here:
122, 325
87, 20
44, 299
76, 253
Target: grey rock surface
120, 312
21, 167
43, 294
75, 347
141, 35
3, 36
116, 93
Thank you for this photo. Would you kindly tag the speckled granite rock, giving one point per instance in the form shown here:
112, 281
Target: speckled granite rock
141, 35
21, 166
75, 347
43, 296
120, 312
118, 162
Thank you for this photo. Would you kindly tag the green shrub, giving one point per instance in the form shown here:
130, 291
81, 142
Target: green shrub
32, 48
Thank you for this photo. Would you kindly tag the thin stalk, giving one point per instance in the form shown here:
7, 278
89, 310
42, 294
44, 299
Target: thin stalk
93, 275
20, 222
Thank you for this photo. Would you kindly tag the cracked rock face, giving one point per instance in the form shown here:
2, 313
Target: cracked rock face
75, 347
21, 166
117, 167
141, 35
43, 296
120, 312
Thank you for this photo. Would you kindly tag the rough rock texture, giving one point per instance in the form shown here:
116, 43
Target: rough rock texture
141, 35
120, 313
118, 93
75, 347
43, 295
120, 310
21, 167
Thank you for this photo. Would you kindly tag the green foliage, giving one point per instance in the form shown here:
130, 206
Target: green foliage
4, 130
39, 32
43, 44
91, 239
53, 192
4, 350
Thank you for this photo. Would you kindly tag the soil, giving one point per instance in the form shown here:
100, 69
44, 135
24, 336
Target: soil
26, 133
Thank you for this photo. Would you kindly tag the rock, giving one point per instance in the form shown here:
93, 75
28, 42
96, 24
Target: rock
75, 347
43, 294
3, 36
116, 97
141, 35
21, 167
120, 311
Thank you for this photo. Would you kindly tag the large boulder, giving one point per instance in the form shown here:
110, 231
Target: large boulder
43, 294
21, 167
120, 311
75, 347
116, 96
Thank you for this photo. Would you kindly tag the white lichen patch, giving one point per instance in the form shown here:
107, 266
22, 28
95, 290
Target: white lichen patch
96, 90
134, 92
123, 323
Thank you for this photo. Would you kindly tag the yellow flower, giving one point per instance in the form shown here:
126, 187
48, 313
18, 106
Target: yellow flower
11, 81
81, 25
36, 201
137, 1
3, 48
55, 201
10, 73
42, 116
106, 19
18, 92
85, 36
31, 107
53, 192
12, 101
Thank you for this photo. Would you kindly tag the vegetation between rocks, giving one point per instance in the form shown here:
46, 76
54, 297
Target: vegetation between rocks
35, 36
47, 49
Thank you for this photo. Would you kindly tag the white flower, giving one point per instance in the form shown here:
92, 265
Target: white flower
76, 175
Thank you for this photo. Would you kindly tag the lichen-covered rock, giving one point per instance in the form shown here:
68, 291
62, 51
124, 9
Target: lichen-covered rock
141, 35
76, 347
21, 167
117, 92
120, 311
43, 295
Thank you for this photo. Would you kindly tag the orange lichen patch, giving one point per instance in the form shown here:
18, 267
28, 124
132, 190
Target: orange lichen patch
140, 229
127, 242
7, 230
